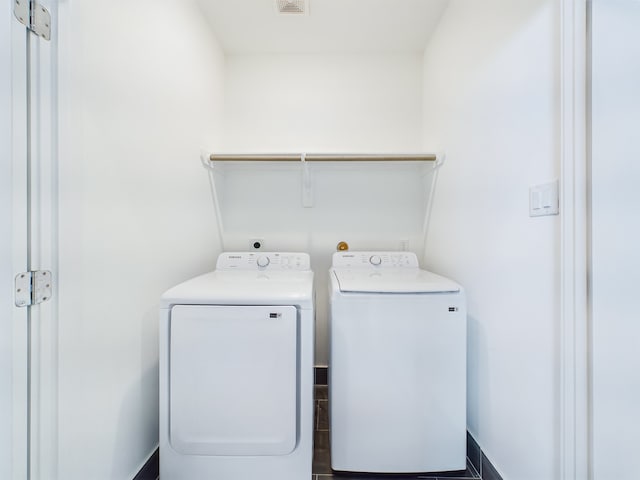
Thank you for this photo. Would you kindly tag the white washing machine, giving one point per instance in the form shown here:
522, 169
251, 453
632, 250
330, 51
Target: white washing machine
236, 371
397, 366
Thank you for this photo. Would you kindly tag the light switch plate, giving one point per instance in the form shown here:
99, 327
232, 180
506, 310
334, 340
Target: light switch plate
544, 199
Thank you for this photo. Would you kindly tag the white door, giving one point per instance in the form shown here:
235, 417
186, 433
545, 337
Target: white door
27, 207
233, 376
13, 246
615, 236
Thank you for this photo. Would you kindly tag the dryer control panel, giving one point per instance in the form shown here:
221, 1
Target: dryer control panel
374, 259
264, 261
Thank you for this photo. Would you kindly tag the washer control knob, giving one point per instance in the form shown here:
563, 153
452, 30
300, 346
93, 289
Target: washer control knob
375, 260
263, 261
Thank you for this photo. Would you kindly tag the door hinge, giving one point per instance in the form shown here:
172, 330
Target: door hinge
33, 288
34, 16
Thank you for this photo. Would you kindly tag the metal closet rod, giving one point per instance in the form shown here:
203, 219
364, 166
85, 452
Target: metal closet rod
321, 157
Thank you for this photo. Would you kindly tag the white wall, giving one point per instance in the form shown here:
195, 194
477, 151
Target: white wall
615, 236
323, 103
491, 89
141, 95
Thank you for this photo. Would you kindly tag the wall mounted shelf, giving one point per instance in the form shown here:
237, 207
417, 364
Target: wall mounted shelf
321, 157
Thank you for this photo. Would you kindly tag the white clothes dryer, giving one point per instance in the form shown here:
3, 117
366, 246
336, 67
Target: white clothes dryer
236, 371
397, 366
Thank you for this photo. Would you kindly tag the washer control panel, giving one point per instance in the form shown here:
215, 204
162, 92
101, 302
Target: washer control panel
263, 261
375, 260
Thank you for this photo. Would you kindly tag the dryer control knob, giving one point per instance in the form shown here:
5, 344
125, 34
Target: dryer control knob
263, 261
375, 260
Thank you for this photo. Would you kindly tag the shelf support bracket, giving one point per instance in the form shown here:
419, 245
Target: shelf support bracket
307, 185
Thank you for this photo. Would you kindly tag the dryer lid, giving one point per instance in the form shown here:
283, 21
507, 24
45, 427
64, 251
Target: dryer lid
392, 280
244, 287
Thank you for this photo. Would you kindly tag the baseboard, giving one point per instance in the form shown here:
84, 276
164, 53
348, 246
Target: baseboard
480, 461
320, 375
151, 469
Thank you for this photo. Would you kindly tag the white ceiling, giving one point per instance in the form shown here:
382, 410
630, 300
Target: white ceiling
255, 26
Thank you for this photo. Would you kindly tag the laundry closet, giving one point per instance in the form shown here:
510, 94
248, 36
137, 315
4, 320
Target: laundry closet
143, 93
158, 90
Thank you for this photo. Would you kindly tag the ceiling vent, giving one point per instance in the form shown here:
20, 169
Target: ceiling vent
292, 7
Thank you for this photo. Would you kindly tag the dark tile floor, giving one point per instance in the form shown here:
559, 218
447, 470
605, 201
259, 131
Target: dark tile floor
322, 454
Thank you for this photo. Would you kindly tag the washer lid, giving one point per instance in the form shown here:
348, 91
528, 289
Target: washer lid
392, 280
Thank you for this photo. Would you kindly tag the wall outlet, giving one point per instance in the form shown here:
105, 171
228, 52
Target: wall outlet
404, 244
256, 244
